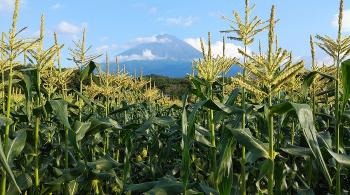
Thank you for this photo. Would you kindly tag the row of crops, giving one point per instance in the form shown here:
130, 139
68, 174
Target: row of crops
275, 128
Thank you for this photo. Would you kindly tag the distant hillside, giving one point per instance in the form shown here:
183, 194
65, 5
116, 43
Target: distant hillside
173, 87
170, 68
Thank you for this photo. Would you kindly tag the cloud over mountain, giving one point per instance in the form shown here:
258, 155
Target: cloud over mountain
231, 50
159, 47
69, 28
167, 55
146, 55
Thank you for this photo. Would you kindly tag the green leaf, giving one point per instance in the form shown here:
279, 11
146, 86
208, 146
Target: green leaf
207, 189
201, 135
14, 147
162, 121
86, 72
103, 164
24, 181
67, 175
76, 135
230, 102
297, 151
60, 110
88, 101
80, 129
166, 186
101, 124
310, 77
6, 166
345, 69
27, 86
192, 117
304, 192
244, 137
197, 87
73, 141
5, 121
325, 139
341, 158
140, 188
264, 169
224, 171
306, 121
346, 115
228, 109
186, 145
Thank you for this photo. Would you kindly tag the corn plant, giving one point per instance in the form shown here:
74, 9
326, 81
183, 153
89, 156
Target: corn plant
245, 32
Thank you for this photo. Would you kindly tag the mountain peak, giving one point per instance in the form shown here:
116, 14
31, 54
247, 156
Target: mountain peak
161, 47
162, 54
166, 36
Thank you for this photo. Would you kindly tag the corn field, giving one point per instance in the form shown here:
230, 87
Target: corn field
275, 128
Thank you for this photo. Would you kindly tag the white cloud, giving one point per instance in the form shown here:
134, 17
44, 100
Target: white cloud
150, 9
178, 21
36, 33
6, 4
114, 47
138, 5
215, 14
146, 55
144, 40
346, 21
102, 48
105, 38
151, 39
69, 28
325, 60
231, 50
56, 6
321, 60
153, 10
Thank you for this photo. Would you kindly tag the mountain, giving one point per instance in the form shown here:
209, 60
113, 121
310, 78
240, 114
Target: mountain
162, 55
162, 47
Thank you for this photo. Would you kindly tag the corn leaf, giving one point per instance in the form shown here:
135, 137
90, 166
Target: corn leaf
86, 72
342, 159
297, 151
244, 137
6, 167
15, 146
60, 110
306, 121
345, 69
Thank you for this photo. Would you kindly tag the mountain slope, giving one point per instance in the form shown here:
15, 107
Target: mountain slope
163, 47
162, 55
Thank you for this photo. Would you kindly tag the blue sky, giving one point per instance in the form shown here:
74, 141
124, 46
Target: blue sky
115, 25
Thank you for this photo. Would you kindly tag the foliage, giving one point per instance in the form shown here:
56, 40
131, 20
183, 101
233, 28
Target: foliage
275, 128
